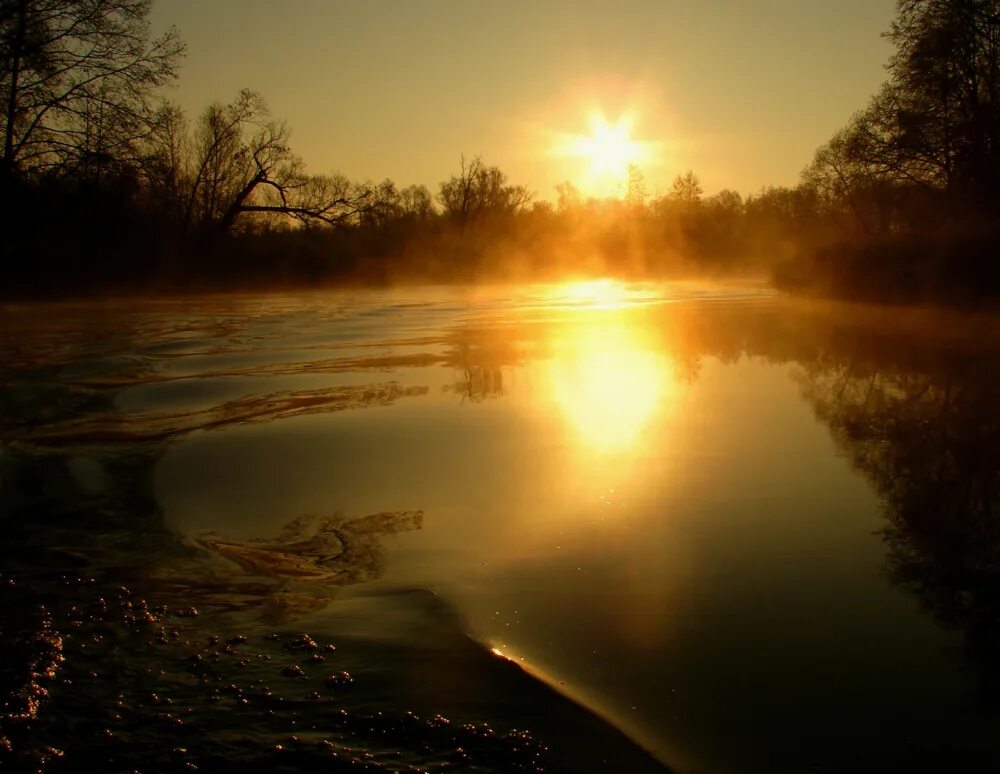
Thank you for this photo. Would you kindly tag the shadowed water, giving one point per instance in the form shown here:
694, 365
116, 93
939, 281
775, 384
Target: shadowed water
735, 531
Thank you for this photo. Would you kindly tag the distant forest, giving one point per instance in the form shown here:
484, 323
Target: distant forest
106, 187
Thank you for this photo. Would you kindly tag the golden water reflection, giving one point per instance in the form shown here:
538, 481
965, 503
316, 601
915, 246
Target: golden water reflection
595, 294
607, 383
606, 376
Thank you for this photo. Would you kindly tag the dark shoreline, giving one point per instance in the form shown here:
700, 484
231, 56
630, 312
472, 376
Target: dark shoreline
98, 675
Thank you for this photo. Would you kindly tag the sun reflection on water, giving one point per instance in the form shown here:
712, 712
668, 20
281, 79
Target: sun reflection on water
595, 294
607, 380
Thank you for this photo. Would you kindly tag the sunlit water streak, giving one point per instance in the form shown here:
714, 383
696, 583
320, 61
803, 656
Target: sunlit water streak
607, 382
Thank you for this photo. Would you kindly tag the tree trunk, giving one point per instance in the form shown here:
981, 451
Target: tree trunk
15, 74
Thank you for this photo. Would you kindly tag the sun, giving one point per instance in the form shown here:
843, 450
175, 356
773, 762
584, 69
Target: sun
606, 153
609, 149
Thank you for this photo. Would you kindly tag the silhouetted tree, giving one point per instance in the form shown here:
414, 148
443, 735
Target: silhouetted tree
936, 121
479, 190
726, 202
384, 205
567, 197
852, 174
416, 202
78, 80
917, 172
164, 164
946, 79
635, 190
686, 191
242, 164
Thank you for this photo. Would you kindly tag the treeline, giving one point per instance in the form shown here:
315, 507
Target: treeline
918, 170
105, 186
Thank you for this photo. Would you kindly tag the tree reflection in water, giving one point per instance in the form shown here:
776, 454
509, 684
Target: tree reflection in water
911, 397
926, 436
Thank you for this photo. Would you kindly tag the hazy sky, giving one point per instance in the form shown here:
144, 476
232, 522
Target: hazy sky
740, 91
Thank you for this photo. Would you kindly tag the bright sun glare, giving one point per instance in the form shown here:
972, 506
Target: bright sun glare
597, 294
607, 383
606, 377
609, 149
606, 153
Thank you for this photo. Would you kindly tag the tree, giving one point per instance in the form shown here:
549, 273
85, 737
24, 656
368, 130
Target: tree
165, 155
946, 77
935, 124
242, 164
933, 127
78, 80
479, 190
635, 191
568, 197
923, 427
686, 190
384, 205
416, 202
726, 203
856, 174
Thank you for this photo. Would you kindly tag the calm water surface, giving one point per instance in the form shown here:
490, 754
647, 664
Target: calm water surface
733, 531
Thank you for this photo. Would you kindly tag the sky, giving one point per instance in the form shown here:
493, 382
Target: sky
742, 92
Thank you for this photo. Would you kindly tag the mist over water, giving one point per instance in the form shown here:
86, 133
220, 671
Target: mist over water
750, 533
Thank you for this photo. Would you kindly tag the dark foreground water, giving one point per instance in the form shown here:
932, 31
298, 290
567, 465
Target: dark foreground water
587, 527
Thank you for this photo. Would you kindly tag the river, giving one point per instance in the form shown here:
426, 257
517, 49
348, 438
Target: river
594, 526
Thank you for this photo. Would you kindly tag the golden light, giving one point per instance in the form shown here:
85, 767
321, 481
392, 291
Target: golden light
607, 152
597, 294
607, 381
609, 149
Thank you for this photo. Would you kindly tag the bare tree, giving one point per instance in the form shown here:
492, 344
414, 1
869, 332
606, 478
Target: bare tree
635, 188
935, 124
417, 202
242, 164
860, 171
165, 158
479, 190
78, 79
568, 197
727, 203
384, 206
686, 191
946, 75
